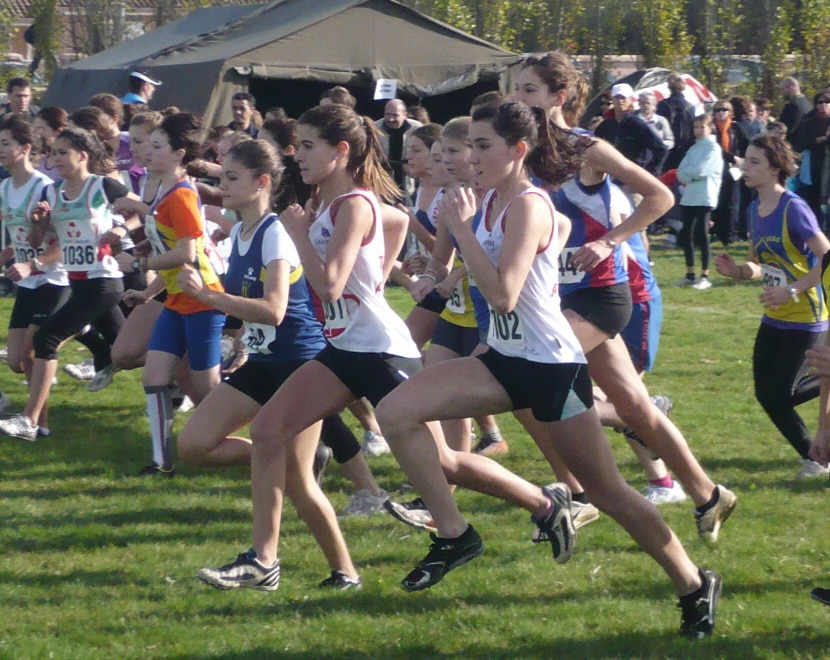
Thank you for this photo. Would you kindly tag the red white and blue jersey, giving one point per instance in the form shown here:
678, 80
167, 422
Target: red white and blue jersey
590, 214
300, 335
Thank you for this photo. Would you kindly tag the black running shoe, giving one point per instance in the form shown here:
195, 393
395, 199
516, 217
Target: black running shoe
155, 470
245, 572
443, 556
339, 581
558, 526
821, 595
697, 619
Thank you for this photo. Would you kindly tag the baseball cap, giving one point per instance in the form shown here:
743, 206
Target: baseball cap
143, 74
622, 89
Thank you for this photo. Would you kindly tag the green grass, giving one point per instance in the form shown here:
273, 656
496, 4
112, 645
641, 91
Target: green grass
97, 563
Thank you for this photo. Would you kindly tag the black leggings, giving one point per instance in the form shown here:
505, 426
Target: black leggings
91, 302
339, 438
782, 382
695, 231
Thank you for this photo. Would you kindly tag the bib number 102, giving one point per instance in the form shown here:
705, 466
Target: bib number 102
506, 327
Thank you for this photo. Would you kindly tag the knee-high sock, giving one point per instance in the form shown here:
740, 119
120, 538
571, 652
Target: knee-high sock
160, 414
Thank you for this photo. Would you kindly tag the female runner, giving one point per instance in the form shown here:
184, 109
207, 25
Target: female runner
595, 294
345, 252
786, 251
42, 286
176, 233
534, 362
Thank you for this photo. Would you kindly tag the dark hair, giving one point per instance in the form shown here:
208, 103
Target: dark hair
284, 131
21, 129
244, 96
429, 134
493, 98
740, 105
704, 119
821, 97
339, 96
79, 139
57, 118
554, 154
778, 153
109, 103
90, 118
261, 158
418, 113
558, 72
184, 131
336, 124
17, 82
676, 83
763, 104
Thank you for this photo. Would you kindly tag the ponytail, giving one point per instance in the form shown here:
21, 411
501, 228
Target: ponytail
369, 171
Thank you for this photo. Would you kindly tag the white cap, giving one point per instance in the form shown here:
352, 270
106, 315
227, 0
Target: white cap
142, 75
622, 89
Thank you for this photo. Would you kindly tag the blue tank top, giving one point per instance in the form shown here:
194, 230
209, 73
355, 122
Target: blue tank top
300, 335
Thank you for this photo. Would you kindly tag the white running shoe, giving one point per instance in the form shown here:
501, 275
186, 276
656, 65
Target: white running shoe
186, 405
82, 371
663, 495
4, 354
4, 402
375, 445
702, 284
103, 378
19, 427
811, 469
363, 504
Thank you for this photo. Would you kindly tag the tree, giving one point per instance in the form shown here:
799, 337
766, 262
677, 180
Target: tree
815, 31
777, 46
95, 25
665, 38
48, 29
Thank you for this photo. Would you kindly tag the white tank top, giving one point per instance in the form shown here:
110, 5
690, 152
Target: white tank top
361, 319
16, 205
536, 329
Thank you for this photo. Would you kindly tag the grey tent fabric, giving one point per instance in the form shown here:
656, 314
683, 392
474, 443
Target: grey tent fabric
205, 57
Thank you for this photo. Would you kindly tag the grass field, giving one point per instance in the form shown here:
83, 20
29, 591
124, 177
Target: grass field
97, 563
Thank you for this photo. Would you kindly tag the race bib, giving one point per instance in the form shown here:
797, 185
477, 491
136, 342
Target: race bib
455, 303
568, 273
339, 315
506, 331
773, 276
259, 337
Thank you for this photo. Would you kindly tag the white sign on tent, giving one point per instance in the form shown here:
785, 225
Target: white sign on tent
386, 88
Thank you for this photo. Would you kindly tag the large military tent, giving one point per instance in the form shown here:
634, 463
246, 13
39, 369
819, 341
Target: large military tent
286, 52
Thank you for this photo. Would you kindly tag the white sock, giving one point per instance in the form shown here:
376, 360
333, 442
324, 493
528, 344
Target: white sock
160, 414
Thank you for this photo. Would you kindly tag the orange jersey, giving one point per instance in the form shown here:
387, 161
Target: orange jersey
177, 216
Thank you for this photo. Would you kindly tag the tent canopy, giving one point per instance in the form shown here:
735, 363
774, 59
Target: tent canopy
278, 49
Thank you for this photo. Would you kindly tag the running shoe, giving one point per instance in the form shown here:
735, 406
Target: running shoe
4, 353
183, 404
19, 427
558, 525
43, 432
821, 594
581, 513
697, 618
322, 459
685, 282
4, 402
702, 284
103, 378
665, 405
82, 371
810, 469
443, 556
491, 444
709, 522
155, 470
662, 495
374, 444
245, 572
413, 513
363, 504
339, 581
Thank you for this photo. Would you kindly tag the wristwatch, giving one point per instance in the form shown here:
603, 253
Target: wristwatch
136, 265
38, 264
